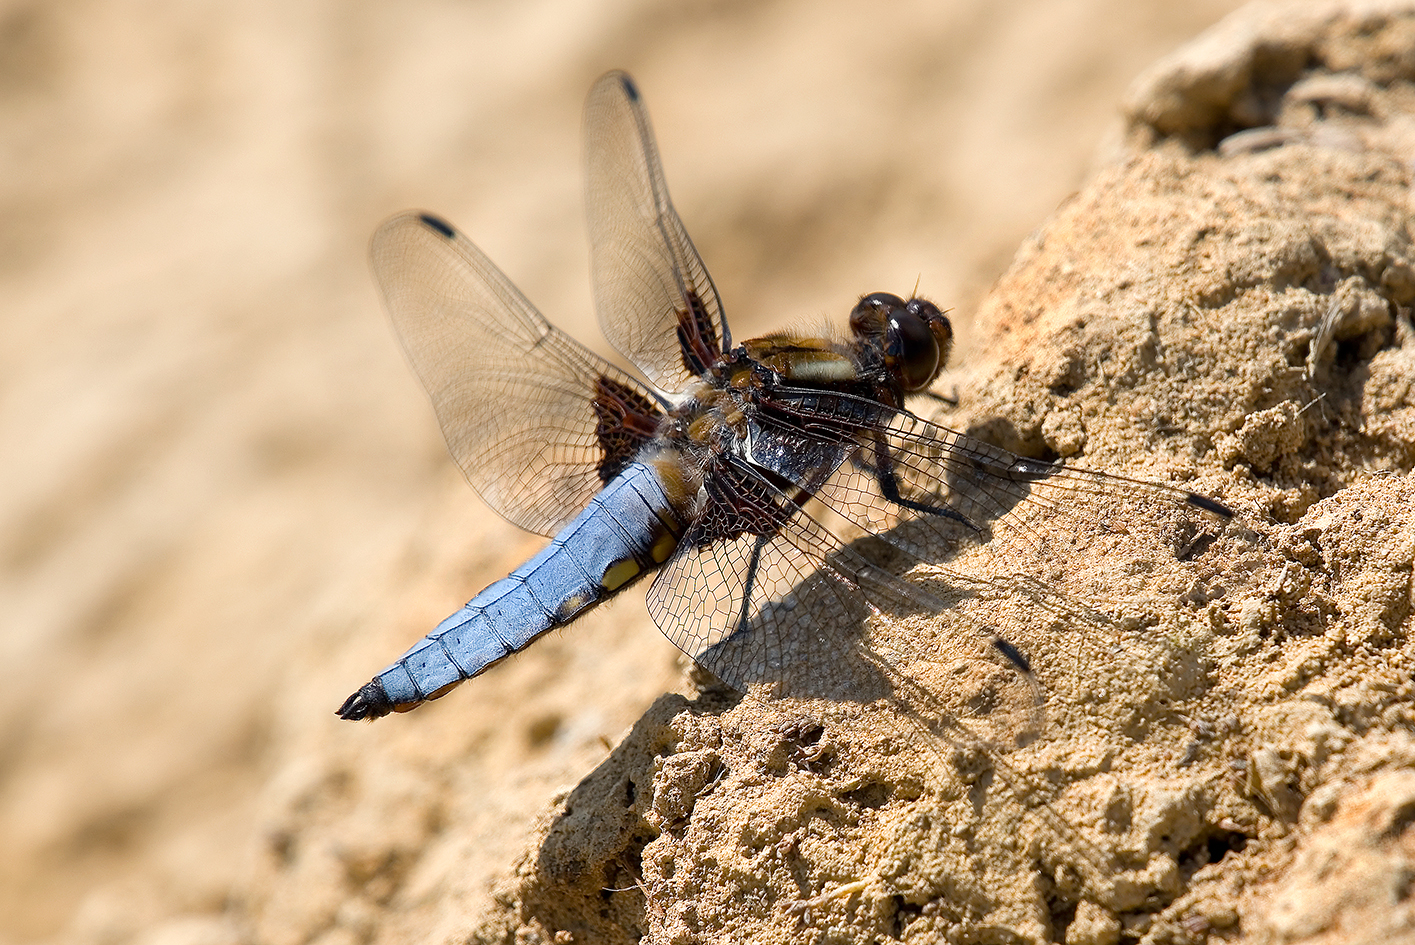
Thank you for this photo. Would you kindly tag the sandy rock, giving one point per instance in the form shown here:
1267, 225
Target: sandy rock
1349, 881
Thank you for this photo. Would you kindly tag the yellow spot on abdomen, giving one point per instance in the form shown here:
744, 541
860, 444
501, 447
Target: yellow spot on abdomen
620, 573
571, 606
663, 546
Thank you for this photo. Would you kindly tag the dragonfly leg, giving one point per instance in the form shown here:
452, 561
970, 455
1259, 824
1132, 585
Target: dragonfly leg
748, 586
889, 488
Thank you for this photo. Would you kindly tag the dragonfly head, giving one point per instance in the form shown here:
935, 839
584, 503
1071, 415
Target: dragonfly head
913, 338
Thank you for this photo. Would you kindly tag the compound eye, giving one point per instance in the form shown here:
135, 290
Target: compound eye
871, 313
911, 350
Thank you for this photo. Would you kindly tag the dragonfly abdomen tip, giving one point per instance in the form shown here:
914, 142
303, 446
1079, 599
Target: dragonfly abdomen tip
370, 702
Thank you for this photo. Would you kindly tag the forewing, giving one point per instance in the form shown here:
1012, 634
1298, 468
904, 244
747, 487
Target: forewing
656, 302
939, 494
537, 423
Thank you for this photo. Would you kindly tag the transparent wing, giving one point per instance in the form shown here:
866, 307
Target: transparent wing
656, 302
938, 494
537, 423
761, 594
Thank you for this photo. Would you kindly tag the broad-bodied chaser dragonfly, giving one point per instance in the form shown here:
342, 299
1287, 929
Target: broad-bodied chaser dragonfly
720, 472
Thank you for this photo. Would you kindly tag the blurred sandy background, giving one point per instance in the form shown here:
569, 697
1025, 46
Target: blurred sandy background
225, 501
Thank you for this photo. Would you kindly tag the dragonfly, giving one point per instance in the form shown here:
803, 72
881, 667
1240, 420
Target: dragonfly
749, 477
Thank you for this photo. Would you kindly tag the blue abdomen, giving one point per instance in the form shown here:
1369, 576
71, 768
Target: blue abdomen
628, 530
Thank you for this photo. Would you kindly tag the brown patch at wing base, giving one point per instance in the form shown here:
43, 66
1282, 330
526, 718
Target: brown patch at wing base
626, 421
697, 336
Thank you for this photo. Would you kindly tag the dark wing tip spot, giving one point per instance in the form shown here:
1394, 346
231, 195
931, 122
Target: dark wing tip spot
1013, 655
370, 702
438, 224
630, 89
1208, 505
